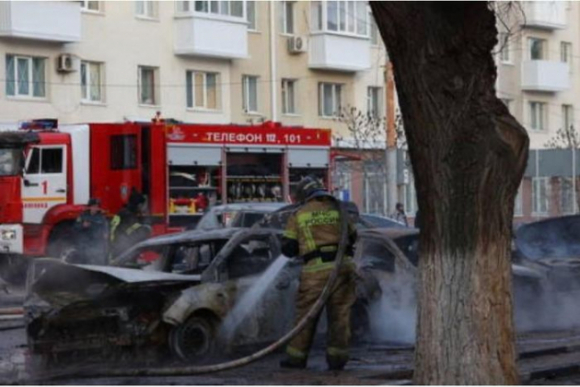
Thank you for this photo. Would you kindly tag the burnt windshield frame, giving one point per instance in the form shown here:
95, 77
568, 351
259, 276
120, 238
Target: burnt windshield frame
11, 161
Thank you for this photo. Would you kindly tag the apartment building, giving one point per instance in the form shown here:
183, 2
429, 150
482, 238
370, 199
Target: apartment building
241, 62
538, 59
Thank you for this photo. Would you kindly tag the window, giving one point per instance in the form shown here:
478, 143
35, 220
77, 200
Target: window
540, 194
567, 116
123, 151
51, 160
202, 90
288, 96
518, 202
91, 81
504, 47
538, 115
225, 8
537, 48
316, 15
566, 195
288, 17
251, 15
329, 99
148, 93
375, 36
374, 101
25, 76
146, 8
375, 193
250, 93
45, 160
93, 6
347, 17
566, 52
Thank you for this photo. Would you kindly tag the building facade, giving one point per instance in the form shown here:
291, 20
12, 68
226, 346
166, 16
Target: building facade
539, 81
239, 62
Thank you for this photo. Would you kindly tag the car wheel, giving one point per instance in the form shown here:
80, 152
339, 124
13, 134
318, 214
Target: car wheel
194, 340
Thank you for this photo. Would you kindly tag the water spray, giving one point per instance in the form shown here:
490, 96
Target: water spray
89, 371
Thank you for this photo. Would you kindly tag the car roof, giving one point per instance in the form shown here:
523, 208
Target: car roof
257, 206
392, 233
181, 237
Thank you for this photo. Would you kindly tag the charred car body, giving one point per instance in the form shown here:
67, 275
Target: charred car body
172, 293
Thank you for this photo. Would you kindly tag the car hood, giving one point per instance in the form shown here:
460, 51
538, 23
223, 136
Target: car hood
137, 276
60, 284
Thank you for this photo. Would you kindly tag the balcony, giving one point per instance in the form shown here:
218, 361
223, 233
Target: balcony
52, 21
544, 75
545, 14
334, 51
211, 36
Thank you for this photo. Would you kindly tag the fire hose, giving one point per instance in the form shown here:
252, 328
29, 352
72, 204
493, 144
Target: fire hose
195, 370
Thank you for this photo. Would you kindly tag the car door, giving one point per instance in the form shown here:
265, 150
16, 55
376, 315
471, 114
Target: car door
264, 286
44, 184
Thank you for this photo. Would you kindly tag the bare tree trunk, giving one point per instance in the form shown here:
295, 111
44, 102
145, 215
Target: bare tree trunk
468, 156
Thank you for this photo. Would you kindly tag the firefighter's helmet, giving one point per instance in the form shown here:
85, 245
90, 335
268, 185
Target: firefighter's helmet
307, 187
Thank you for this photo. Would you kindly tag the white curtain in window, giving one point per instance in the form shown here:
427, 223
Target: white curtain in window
211, 90
95, 77
38, 77
23, 76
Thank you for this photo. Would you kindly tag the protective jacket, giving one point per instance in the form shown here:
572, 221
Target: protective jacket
313, 232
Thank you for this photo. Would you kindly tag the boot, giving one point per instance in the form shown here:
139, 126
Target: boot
293, 362
335, 364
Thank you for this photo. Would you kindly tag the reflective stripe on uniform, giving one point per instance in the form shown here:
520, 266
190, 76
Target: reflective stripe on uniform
293, 352
337, 352
133, 227
317, 264
114, 224
306, 220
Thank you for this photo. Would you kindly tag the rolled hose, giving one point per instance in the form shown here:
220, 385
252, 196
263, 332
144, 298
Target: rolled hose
195, 370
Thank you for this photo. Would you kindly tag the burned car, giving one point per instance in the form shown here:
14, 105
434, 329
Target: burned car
175, 301
183, 294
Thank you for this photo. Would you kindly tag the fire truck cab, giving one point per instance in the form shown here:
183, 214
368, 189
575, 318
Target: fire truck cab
49, 172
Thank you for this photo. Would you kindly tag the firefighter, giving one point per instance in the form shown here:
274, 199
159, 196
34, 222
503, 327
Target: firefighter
126, 226
313, 233
92, 232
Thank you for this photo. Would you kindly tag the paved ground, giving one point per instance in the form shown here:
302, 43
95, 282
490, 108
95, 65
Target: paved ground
545, 358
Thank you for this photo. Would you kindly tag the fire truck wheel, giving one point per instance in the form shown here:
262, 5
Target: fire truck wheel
13, 269
195, 340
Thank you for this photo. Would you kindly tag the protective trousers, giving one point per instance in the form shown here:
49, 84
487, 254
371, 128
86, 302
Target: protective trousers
338, 309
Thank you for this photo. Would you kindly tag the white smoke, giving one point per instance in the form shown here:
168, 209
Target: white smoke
393, 316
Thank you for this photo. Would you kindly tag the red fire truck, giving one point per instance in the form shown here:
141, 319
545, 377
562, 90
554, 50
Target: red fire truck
49, 172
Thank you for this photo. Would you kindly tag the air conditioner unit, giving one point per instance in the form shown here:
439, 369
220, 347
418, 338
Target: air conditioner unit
65, 63
296, 44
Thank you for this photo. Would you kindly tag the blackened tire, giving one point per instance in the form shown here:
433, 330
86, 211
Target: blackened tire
194, 340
